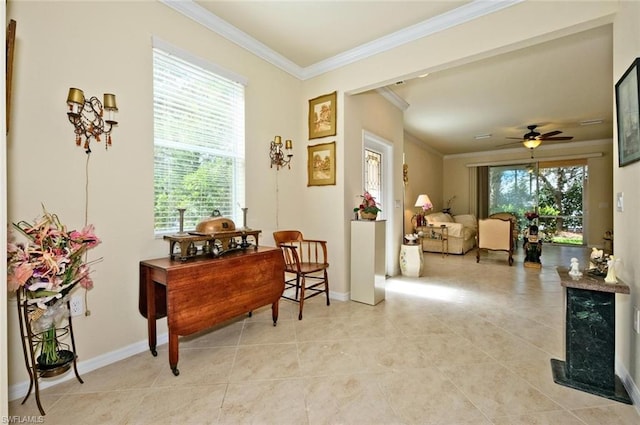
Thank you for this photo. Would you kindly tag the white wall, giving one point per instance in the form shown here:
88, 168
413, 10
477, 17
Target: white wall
626, 47
425, 176
371, 112
56, 50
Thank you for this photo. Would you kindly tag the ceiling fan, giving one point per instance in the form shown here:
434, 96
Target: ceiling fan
533, 139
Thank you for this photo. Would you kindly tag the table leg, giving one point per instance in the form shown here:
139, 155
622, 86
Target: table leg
274, 312
151, 313
173, 353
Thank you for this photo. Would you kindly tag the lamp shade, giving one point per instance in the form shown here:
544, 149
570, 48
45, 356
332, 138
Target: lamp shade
531, 143
110, 102
423, 200
75, 96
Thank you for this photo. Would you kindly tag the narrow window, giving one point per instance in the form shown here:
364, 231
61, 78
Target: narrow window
199, 163
373, 173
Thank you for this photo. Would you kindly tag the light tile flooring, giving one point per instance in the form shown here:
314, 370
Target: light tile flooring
465, 344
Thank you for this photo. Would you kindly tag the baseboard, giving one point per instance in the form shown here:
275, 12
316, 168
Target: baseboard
340, 296
629, 385
20, 389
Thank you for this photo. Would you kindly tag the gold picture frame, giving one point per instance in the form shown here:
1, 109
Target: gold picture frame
322, 116
321, 164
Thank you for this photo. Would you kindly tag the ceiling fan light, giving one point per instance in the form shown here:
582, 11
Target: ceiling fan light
531, 143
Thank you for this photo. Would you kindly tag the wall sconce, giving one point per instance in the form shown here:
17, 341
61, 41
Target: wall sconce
86, 115
277, 154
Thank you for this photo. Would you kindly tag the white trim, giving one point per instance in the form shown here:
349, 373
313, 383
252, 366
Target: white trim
462, 14
198, 61
530, 160
340, 296
393, 98
520, 149
628, 383
202, 16
385, 147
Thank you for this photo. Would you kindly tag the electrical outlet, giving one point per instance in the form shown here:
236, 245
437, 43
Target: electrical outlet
76, 305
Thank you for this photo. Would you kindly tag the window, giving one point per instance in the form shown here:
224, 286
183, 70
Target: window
513, 188
198, 117
373, 173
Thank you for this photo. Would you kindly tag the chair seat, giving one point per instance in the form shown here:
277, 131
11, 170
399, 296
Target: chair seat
305, 268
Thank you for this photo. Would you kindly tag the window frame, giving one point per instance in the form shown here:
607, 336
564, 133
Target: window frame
237, 156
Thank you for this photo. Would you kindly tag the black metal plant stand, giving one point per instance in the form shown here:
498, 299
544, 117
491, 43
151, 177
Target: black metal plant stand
30, 342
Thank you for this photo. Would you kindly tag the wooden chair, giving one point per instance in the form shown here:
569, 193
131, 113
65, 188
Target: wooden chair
495, 234
306, 260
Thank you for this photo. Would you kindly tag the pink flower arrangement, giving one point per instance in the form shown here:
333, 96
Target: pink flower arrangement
51, 264
368, 205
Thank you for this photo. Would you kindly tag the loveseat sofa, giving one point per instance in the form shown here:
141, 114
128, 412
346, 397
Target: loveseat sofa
461, 229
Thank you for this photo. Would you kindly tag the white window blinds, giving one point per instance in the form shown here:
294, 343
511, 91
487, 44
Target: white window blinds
199, 143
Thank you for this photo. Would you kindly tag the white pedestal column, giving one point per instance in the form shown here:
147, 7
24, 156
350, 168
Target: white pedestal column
368, 261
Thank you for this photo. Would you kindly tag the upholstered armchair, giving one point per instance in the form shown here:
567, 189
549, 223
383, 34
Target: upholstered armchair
514, 219
495, 234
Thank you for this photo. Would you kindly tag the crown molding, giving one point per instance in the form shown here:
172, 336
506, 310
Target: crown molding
393, 98
543, 147
468, 12
202, 16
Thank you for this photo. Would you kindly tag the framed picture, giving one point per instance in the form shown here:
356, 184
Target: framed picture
628, 111
322, 116
321, 164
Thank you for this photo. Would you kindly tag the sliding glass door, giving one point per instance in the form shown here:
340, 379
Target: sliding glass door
553, 189
514, 189
561, 201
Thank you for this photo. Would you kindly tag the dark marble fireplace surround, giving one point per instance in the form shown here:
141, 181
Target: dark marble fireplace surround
589, 363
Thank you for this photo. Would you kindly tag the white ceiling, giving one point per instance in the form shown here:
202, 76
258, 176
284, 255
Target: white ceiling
556, 84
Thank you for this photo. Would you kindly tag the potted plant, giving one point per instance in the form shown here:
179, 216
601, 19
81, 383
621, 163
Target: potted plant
47, 268
368, 208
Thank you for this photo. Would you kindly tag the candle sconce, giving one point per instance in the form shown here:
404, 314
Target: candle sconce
86, 115
278, 156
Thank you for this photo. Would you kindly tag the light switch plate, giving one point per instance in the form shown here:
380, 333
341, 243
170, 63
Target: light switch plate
620, 201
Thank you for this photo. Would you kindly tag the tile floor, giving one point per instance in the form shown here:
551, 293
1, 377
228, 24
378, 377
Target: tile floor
465, 344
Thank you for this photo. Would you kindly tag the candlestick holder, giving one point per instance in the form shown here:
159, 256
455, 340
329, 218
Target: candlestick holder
244, 218
181, 211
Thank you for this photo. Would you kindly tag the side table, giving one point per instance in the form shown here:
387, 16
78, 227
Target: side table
440, 233
411, 259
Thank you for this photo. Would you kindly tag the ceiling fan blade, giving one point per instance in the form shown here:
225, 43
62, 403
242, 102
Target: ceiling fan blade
553, 141
558, 138
549, 134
